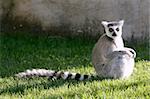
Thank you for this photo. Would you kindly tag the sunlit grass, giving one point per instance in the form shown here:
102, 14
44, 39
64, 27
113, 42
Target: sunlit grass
18, 53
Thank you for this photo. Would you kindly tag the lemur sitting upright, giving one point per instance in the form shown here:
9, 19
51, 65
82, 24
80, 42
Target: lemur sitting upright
110, 44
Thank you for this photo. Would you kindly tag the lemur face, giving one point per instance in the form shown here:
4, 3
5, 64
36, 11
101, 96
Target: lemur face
113, 29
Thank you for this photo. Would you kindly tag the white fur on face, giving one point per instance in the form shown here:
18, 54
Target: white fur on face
113, 25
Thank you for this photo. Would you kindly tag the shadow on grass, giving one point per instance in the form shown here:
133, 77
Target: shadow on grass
18, 53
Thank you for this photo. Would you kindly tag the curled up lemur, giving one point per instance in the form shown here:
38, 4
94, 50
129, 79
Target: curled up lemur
109, 57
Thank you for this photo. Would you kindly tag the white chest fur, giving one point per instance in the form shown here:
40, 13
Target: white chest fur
119, 43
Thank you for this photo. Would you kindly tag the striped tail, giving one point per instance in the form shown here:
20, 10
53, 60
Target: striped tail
53, 74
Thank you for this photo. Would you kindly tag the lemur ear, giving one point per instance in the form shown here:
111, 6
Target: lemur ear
121, 22
104, 23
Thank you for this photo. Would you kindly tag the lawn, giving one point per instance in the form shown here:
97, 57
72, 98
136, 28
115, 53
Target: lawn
18, 53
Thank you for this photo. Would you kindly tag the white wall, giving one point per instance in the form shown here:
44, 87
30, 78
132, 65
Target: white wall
84, 16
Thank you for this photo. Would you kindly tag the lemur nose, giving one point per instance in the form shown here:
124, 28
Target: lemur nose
114, 34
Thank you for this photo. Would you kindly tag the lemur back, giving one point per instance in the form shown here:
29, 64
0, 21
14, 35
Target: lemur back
108, 43
103, 47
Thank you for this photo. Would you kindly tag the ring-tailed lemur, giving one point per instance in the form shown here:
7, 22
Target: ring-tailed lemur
109, 57
111, 44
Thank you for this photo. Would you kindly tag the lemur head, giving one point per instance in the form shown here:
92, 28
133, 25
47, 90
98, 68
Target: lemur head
113, 29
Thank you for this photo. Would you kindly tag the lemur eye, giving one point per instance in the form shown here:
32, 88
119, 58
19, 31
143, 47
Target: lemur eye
111, 30
117, 29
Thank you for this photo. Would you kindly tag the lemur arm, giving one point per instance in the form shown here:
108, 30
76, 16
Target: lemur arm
131, 51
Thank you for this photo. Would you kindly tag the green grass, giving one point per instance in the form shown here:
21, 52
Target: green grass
18, 53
